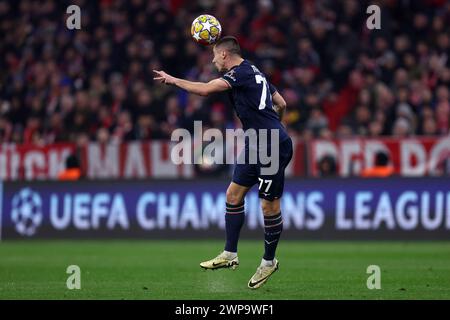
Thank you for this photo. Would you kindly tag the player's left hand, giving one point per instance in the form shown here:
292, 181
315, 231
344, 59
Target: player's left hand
164, 77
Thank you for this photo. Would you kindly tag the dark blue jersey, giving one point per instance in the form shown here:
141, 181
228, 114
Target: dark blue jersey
251, 96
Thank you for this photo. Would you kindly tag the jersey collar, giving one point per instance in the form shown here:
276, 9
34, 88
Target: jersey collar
237, 65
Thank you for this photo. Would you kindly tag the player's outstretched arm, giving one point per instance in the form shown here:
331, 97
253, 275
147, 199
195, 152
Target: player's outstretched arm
279, 104
200, 88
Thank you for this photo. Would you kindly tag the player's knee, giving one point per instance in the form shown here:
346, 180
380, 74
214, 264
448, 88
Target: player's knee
270, 208
233, 197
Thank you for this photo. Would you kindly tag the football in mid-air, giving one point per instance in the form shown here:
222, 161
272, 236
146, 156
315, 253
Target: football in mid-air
206, 29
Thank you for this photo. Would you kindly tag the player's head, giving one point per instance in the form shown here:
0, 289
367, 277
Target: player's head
225, 50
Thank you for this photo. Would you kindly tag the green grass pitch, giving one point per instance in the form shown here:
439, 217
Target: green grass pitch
170, 269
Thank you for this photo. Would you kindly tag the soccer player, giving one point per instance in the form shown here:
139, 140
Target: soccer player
258, 106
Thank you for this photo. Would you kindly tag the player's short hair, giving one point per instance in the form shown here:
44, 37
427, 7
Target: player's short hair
230, 44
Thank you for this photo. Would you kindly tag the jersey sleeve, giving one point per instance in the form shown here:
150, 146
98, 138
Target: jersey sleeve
235, 78
272, 88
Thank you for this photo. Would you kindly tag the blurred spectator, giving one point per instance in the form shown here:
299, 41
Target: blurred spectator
338, 77
72, 171
382, 168
327, 166
317, 121
402, 128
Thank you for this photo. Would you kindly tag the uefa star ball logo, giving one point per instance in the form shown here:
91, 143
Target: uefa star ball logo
26, 212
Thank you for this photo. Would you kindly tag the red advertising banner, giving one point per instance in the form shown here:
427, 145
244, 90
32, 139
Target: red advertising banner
409, 157
136, 160
31, 162
132, 160
152, 159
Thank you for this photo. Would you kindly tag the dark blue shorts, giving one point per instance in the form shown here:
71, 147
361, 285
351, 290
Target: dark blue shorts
270, 186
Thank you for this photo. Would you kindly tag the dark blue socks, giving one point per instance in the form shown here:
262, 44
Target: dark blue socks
273, 226
234, 220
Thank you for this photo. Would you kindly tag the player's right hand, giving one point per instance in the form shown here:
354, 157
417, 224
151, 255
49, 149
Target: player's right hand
163, 77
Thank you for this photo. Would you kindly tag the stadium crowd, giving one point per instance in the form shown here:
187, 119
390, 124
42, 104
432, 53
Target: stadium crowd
339, 78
